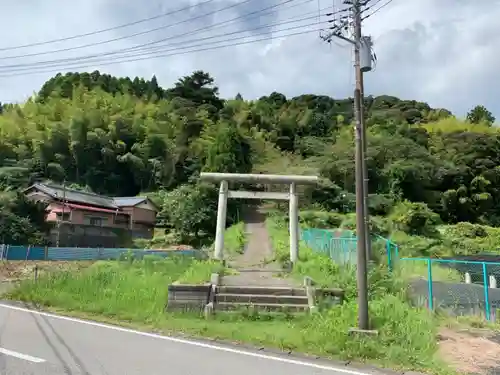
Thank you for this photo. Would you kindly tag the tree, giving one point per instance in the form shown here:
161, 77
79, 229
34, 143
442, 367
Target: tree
415, 218
126, 135
198, 88
480, 115
22, 221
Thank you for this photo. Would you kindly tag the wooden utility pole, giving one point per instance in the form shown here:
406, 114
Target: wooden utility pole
362, 230
362, 217
364, 141
59, 222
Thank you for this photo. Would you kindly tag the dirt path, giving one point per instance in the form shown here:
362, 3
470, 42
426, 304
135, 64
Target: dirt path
471, 352
255, 265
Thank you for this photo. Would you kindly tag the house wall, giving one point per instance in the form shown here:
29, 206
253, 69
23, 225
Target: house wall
83, 230
79, 235
144, 220
82, 217
141, 215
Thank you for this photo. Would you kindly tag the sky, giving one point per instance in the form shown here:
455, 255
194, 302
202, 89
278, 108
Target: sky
443, 52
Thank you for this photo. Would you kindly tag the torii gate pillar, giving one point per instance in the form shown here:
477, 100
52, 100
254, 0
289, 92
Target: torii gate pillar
225, 193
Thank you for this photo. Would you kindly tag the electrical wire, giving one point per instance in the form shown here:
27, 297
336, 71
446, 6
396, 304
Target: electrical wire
20, 67
130, 35
171, 53
257, 13
169, 50
144, 47
107, 29
376, 10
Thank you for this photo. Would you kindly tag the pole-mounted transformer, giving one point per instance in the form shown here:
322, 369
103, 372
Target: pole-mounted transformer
366, 55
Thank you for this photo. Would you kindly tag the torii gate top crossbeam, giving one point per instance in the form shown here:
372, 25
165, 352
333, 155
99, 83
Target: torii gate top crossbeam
260, 178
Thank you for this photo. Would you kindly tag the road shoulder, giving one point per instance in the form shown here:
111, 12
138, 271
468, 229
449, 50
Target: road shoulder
290, 357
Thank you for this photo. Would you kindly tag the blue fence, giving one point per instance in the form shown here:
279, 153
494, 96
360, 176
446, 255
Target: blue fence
456, 286
8, 252
339, 245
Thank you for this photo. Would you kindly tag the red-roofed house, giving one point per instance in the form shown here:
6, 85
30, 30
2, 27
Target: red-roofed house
85, 219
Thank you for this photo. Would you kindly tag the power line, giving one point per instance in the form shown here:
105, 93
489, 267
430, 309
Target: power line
257, 13
173, 53
219, 24
128, 36
155, 54
376, 10
105, 30
146, 46
22, 67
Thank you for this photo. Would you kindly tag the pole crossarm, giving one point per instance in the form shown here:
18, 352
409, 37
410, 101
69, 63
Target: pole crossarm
260, 178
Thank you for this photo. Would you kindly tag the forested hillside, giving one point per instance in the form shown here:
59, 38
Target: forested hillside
119, 136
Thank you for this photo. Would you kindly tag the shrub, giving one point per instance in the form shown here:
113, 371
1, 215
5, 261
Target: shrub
320, 219
378, 225
415, 218
379, 204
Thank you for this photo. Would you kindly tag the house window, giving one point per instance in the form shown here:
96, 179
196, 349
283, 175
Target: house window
97, 221
63, 216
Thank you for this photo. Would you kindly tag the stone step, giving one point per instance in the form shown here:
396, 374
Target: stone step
274, 307
261, 299
261, 290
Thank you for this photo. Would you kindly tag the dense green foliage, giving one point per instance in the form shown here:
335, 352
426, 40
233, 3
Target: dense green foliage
119, 136
21, 221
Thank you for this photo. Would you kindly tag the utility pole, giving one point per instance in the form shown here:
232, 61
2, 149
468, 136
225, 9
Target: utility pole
362, 218
364, 142
362, 268
62, 214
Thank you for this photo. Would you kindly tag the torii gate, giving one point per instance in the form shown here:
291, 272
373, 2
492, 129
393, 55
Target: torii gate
292, 197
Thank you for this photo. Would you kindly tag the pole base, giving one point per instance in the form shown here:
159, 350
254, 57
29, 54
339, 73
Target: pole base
362, 332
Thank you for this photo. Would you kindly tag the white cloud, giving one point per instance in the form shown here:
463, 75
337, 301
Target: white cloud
444, 52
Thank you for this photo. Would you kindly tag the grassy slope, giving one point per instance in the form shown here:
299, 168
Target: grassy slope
135, 292
235, 239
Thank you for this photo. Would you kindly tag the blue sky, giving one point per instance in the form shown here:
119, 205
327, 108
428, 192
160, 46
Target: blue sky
444, 52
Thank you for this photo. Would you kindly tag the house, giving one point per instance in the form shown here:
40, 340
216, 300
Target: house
90, 220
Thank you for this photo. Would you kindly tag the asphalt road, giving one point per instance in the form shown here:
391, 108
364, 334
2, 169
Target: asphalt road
39, 343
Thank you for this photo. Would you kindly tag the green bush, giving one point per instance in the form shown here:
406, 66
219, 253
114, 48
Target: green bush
320, 219
378, 225
380, 204
407, 335
415, 218
467, 230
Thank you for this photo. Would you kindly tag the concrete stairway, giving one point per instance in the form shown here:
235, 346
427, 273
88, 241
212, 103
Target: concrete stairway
261, 298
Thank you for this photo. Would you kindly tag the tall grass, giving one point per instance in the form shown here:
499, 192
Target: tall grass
235, 239
136, 291
200, 272
407, 335
131, 290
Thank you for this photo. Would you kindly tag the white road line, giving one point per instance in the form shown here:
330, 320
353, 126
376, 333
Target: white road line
191, 342
26, 357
